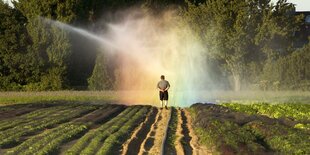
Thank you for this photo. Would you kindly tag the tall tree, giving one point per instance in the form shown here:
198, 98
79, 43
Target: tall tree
17, 66
233, 31
51, 44
276, 27
100, 78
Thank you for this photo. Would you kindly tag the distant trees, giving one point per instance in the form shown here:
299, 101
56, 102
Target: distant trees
243, 33
48, 49
290, 72
250, 40
49, 44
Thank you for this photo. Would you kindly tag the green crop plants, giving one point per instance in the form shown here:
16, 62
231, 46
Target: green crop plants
111, 128
36, 115
111, 144
171, 135
88, 142
49, 141
294, 111
12, 136
246, 128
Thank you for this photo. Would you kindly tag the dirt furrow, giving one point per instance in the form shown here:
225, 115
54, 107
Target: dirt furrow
155, 138
132, 145
149, 140
194, 142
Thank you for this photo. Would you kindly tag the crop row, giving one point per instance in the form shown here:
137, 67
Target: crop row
113, 143
6, 108
226, 130
50, 141
111, 134
171, 133
35, 115
294, 111
14, 135
298, 113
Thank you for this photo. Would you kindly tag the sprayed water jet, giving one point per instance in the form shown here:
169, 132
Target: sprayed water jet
147, 47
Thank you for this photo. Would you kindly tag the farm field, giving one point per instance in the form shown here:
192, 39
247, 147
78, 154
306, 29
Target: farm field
69, 128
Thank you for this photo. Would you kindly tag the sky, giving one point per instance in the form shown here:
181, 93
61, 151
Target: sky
301, 5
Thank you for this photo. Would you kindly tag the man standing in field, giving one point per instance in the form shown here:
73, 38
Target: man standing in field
163, 86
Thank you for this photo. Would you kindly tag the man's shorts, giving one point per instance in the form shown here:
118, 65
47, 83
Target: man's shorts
163, 95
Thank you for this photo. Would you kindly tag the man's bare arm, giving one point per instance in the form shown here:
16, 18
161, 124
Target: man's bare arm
167, 88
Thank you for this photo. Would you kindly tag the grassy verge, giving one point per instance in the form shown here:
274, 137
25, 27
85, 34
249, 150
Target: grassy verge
7, 98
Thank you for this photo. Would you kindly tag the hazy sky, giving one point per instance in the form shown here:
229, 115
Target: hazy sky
301, 5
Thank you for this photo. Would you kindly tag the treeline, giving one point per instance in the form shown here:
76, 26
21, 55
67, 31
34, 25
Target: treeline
255, 41
252, 42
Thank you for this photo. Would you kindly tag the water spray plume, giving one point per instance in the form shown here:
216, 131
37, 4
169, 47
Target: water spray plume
144, 47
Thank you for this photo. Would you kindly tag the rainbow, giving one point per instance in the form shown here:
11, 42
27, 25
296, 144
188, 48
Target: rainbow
151, 46
143, 47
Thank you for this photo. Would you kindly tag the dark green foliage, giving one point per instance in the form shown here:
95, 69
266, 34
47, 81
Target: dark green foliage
18, 66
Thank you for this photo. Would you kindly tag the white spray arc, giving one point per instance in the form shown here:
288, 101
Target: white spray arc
145, 47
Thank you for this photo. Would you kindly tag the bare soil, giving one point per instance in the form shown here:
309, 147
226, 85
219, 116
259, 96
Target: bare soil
132, 145
155, 138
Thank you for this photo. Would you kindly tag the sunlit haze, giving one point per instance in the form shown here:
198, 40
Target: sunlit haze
143, 47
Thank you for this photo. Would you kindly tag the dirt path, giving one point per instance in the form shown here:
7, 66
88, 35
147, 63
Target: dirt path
194, 142
153, 143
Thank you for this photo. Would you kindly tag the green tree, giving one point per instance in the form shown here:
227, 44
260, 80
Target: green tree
100, 79
276, 27
50, 44
18, 65
233, 31
225, 29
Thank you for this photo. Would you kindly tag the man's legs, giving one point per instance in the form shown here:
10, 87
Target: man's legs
161, 98
166, 103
